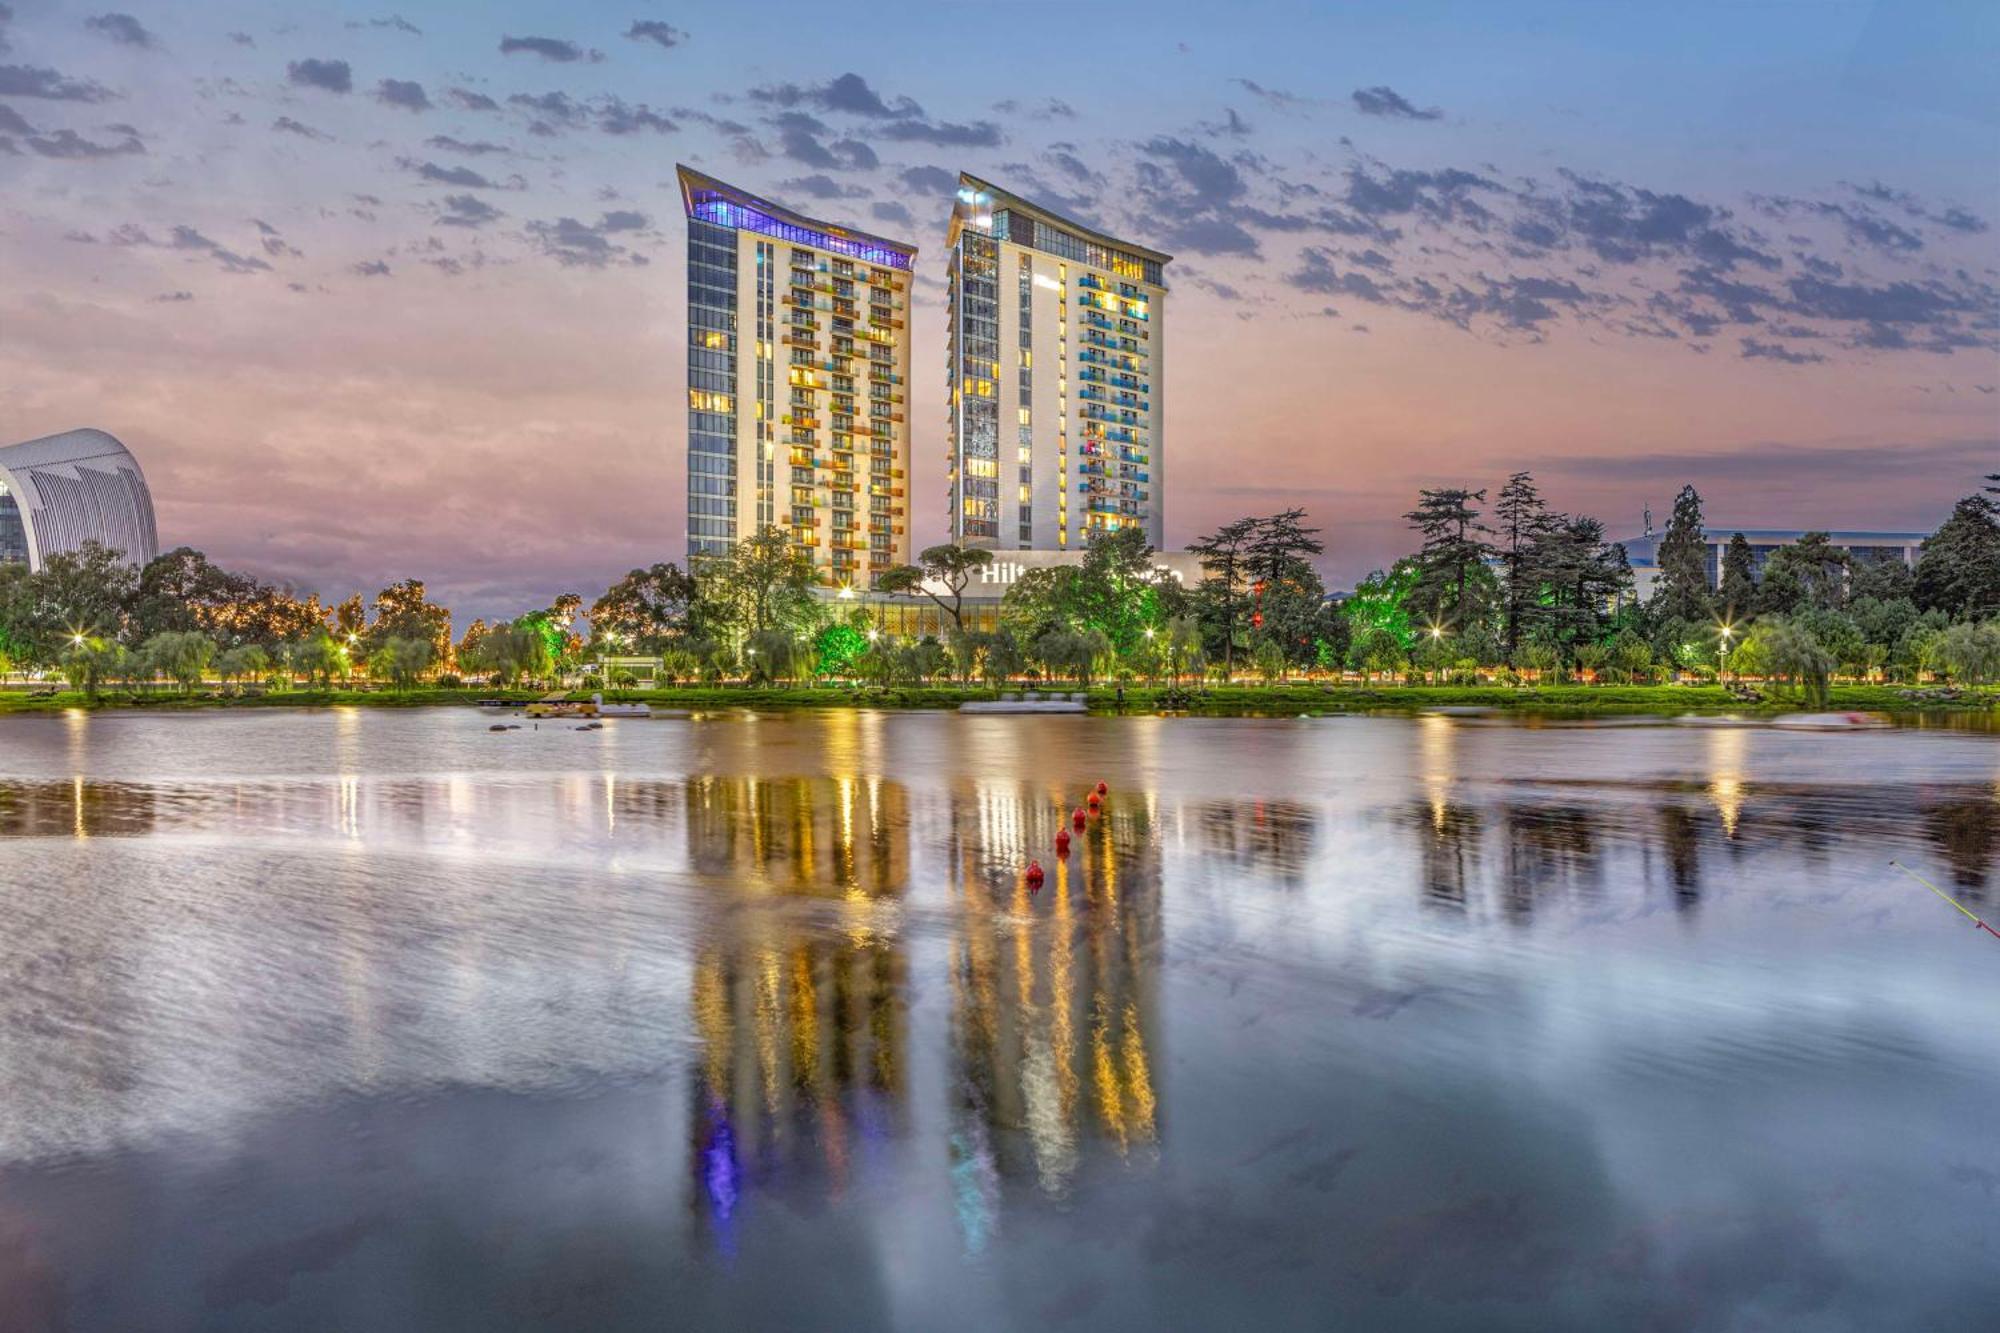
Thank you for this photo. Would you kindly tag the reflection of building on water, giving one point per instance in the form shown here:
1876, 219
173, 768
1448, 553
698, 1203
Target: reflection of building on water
1052, 1001
1264, 837
1448, 839
801, 1067
1549, 848
803, 1025
824, 836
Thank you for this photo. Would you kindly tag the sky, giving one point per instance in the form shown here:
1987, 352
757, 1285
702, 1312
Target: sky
376, 292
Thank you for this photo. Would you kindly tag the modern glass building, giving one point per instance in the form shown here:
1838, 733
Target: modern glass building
1057, 347
60, 491
798, 373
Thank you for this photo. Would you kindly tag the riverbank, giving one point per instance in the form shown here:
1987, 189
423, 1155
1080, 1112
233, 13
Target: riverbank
1238, 700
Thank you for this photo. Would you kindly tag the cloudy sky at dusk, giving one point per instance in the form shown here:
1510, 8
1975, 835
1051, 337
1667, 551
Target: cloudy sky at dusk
382, 291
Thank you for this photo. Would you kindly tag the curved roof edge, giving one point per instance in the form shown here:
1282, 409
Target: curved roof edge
692, 180
79, 486
1008, 199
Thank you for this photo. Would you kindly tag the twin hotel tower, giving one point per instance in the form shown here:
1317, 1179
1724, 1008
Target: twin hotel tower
799, 370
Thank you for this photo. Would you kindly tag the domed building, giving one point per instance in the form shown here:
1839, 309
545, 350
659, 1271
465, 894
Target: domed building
60, 491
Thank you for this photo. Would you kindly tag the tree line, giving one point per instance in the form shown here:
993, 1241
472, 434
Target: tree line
1520, 587
1510, 589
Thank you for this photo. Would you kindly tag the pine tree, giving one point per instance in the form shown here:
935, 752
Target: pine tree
1525, 521
1682, 590
1223, 554
1959, 571
1453, 556
1739, 580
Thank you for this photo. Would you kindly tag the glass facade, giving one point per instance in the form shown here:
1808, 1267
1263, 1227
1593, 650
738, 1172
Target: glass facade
711, 304
1056, 344
13, 532
824, 456
976, 369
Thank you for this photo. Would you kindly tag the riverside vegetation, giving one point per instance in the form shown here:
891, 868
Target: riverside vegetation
1513, 605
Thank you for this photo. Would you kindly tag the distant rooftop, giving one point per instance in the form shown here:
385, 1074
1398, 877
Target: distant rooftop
710, 200
1720, 533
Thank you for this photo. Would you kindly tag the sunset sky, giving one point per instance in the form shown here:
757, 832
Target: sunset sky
379, 292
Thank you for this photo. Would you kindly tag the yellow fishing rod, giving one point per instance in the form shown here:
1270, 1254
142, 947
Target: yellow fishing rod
1948, 898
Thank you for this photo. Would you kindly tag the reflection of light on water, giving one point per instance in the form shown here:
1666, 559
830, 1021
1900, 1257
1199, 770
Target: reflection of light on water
767, 1027
859, 910
1138, 1076
1110, 1101
1726, 749
610, 802
76, 805
975, 1186
1434, 737
348, 796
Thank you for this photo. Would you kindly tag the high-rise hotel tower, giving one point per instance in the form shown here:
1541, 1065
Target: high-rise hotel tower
1057, 345
798, 373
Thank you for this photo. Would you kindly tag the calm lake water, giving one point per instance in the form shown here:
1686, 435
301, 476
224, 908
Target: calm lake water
374, 1020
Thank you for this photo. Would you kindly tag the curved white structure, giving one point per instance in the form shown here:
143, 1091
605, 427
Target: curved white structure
60, 491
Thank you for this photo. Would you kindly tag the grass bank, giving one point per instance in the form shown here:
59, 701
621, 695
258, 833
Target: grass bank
1241, 700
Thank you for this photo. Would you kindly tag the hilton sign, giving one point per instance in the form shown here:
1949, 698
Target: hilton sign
992, 581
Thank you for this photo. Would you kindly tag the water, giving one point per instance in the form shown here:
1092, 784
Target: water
379, 1020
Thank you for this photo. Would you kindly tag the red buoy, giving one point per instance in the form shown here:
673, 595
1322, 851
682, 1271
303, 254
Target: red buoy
1077, 818
1095, 801
1062, 842
1103, 790
1034, 874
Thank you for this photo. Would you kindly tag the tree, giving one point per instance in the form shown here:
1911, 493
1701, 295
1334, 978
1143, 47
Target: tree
467, 654
949, 566
774, 655
1381, 602
1788, 649
181, 655
1073, 653
1581, 579
762, 582
837, 649
1525, 524
1224, 589
82, 593
1811, 572
1374, 649
1681, 590
319, 656
1452, 577
512, 650
1959, 570
350, 619
402, 611
646, 610
1885, 578
1000, 657
1270, 660
403, 658
1969, 653
1737, 596
1183, 650
246, 661
90, 660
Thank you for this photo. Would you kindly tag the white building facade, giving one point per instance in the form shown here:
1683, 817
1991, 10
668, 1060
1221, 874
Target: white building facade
1057, 358
60, 491
798, 376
